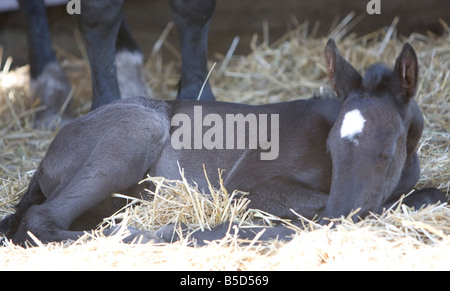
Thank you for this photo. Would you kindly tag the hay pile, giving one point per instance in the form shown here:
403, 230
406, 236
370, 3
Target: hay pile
290, 68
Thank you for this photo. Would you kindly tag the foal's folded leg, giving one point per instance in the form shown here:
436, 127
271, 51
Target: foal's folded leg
51, 220
424, 197
169, 233
419, 198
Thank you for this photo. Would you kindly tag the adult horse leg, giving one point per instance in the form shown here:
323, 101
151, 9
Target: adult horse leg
100, 21
49, 83
192, 19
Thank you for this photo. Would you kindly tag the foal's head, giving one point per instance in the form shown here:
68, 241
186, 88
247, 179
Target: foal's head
377, 129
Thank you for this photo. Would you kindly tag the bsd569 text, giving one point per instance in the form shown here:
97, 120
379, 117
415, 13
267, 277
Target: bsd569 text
243, 280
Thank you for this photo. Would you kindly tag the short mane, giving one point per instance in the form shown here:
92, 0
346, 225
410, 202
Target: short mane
377, 75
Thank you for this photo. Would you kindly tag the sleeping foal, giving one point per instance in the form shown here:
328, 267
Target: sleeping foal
321, 158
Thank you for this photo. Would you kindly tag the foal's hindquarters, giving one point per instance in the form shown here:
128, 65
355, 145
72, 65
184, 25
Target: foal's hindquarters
107, 151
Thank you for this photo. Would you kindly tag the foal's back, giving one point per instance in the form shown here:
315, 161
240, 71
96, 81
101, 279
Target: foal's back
301, 157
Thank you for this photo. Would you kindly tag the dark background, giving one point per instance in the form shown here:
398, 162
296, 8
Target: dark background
243, 18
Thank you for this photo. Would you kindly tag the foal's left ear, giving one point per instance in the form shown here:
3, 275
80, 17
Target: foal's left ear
404, 76
341, 73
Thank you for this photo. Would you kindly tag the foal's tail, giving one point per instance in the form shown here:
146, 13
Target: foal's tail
33, 196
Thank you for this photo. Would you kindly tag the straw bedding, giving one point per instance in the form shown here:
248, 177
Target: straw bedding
290, 68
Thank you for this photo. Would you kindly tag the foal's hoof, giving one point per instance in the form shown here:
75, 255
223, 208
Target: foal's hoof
52, 88
130, 75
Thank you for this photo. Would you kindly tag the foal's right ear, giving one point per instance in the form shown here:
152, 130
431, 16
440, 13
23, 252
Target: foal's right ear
405, 74
341, 74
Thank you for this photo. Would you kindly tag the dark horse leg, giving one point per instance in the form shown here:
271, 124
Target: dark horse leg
192, 19
99, 22
49, 83
115, 59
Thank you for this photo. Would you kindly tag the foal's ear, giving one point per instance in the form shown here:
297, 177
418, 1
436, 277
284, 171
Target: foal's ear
404, 76
341, 74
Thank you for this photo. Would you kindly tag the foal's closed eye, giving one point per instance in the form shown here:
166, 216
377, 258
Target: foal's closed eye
387, 154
